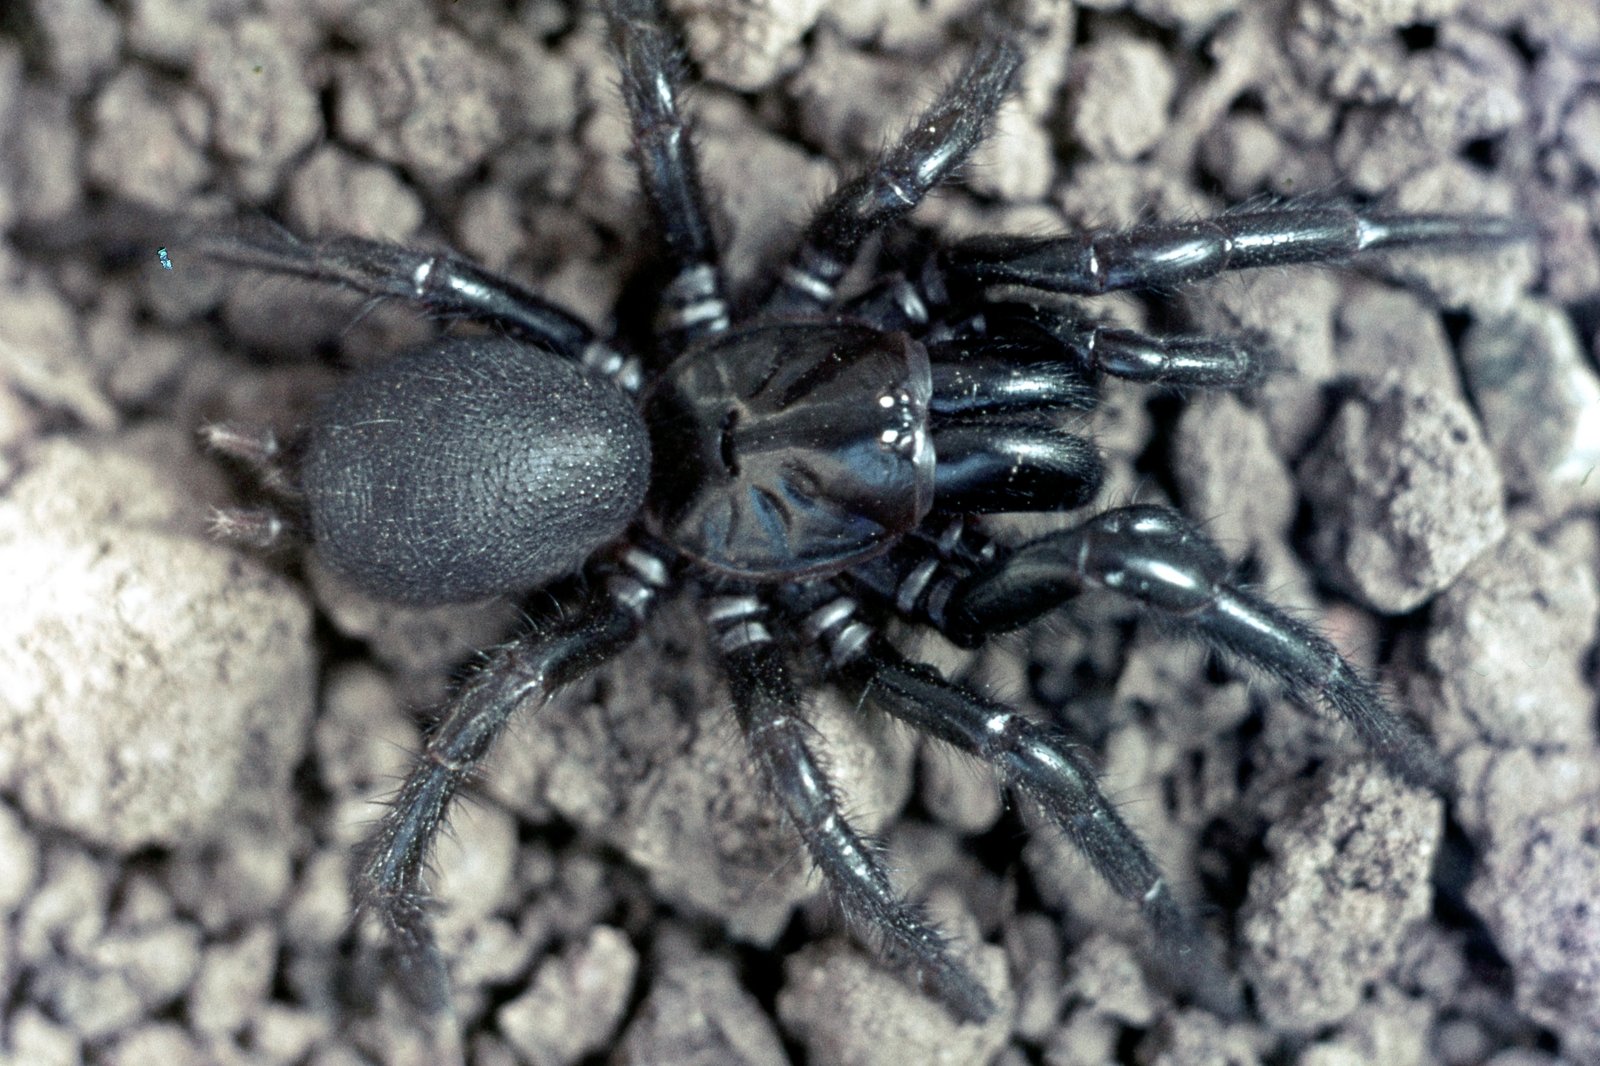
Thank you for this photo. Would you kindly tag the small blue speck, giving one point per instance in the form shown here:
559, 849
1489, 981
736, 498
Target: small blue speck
166, 263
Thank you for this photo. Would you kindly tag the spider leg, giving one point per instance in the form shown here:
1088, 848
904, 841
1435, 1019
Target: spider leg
997, 467
1163, 254
388, 866
447, 285
768, 709
1030, 334
981, 382
693, 302
1160, 560
1038, 761
1027, 333
991, 457
930, 150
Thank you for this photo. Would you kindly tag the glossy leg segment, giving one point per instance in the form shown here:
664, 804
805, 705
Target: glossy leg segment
987, 464
388, 866
930, 150
976, 387
989, 468
1166, 254
1022, 331
447, 286
1159, 559
768, 709
693, 302
1035, 760
1180, 362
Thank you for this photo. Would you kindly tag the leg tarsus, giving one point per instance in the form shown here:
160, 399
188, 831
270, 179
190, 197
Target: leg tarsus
768, 709
1442, 231
388, 866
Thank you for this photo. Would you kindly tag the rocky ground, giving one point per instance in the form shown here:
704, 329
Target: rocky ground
192, 736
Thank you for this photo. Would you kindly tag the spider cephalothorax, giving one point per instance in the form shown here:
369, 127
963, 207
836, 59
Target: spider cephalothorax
808, 469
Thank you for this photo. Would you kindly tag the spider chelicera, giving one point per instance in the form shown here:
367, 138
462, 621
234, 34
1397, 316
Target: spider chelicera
810, 469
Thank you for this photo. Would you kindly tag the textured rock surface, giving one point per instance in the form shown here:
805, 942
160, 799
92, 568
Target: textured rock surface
1346, 875
1407, 492
156, 689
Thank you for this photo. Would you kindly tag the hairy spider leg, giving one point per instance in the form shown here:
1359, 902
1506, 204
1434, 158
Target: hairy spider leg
1164, 254
769, 712
388, 866
446, 285
1042, 763
693, 303
1038, 761
927, 153
1034, 759
1160, 560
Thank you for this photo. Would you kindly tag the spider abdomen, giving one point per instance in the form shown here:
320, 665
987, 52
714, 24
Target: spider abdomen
471, 468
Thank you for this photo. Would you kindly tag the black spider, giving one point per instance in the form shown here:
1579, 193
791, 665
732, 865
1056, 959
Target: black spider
810, 469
